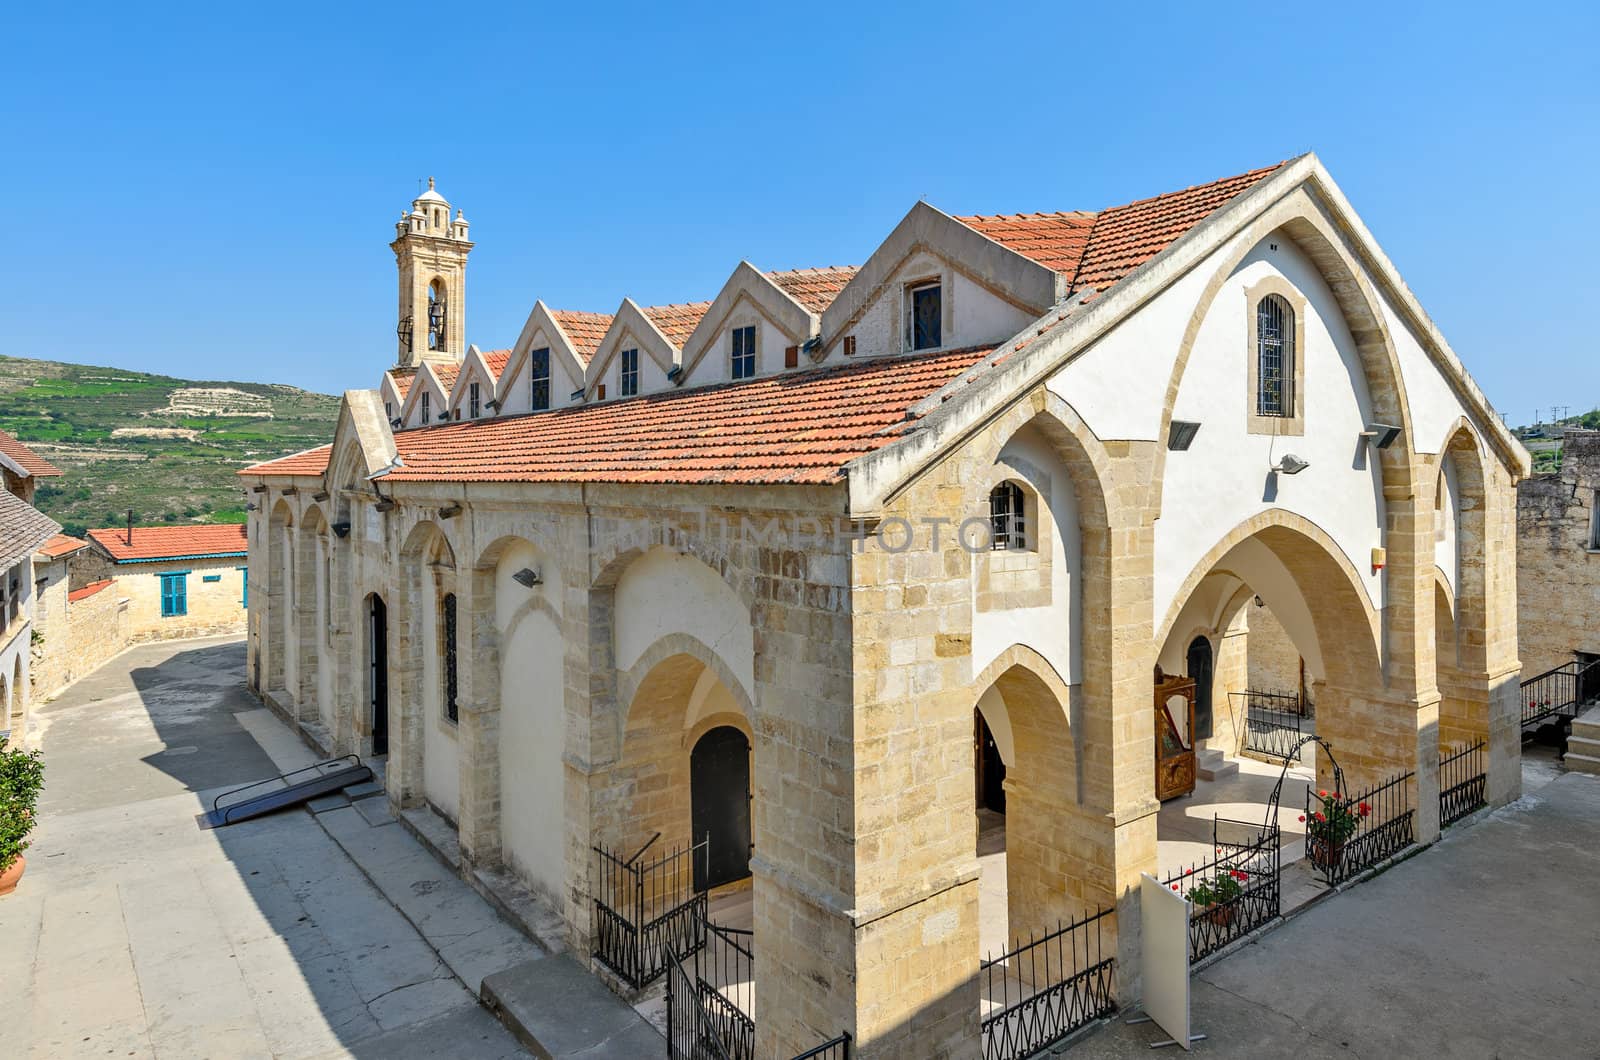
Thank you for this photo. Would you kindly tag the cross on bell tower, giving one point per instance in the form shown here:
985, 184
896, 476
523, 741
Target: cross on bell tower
430, 250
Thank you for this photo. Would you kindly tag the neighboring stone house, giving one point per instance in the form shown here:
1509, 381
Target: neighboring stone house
1558, 558
756, 567
175, 581
23, 530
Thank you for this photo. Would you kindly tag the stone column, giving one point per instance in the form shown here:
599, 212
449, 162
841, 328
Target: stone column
406, 701
307, 631
478, 709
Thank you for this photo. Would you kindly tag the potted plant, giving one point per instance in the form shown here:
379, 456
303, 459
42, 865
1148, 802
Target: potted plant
1215, 896
1329, 828
21, 779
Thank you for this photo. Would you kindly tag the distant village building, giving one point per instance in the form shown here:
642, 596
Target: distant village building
23, 529
792, 569
1558, 560
176, 581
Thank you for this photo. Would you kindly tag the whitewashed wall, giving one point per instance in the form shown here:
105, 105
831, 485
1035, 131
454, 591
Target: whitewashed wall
441, 767
1447, 525
665, 592
972, 315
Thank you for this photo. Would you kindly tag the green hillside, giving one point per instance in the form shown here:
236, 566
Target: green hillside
167, 448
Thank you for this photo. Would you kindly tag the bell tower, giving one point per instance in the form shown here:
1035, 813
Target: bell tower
430, 250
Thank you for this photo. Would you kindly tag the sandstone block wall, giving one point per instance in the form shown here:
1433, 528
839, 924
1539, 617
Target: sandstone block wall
213, 607
1558, 574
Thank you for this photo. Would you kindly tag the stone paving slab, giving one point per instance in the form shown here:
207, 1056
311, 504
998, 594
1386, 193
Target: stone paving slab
556, 1008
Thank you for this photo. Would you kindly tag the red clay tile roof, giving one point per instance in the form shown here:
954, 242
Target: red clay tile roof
312, 462
171, 542
801, 427
447, 374
87, 591
496, 361
677, 322
1095, 250
1054, 240
62, 545
402, 380
26, 458
586, 330
814, 288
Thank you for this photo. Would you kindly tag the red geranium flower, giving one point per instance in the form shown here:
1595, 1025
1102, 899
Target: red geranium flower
1364, 809
1324, 794
1320, 816
1174, 887
1302, 817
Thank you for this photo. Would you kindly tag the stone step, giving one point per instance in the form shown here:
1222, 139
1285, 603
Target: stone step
556, 1008
1584, 745
1211, 764
1577, 763
1587, 727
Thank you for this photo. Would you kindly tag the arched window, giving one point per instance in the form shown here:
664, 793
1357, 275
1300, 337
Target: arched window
448, 607
1275, 355
436, 315
1007, 518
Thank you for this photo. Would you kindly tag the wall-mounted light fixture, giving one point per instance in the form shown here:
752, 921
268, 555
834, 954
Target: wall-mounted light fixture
252, 507
290, 491
1382, 434
341, 529
259, 489
1181, 435
675, 373
1290, 465
384, 504
396, 422
494, 404
450, 511
812, 347
577, 395
528, 577
320, 496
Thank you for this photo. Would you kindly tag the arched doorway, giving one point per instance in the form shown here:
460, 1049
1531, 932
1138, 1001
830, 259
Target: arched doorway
719, 800
378, 673
990, 767
1200, 669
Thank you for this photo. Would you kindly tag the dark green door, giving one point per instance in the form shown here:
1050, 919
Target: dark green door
719, 806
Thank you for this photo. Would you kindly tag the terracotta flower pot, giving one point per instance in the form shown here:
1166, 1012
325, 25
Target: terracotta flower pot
9, 878
1221, 915
1324, 853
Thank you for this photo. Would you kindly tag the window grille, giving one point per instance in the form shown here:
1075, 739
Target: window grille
1594, 521
744, 352
1008, 527
472, 398
630, 373
539, 373
449, 607
1274, 357
924, 317
174, 594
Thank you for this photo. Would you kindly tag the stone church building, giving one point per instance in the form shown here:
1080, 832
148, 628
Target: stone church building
1011, 464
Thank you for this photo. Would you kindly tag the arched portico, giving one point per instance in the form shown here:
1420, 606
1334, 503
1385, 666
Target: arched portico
423, 755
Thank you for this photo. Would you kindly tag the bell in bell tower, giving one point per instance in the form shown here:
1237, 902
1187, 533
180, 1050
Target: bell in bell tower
430, 251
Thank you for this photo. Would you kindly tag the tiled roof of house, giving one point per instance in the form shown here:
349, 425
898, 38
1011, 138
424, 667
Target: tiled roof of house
496, 361
62, 545
88, 590
447, 374
586, 330
1054, 240
402, 380
26, 458
171, 542
1095, 250
799, 427
306, 462
814, 288
677, 322
23, 528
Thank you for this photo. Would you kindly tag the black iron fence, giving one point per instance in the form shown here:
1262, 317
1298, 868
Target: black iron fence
1045, 989
646, 911
1559, 692
1273, 721
1463, 783
833, 1049
1237, 891
1348, 833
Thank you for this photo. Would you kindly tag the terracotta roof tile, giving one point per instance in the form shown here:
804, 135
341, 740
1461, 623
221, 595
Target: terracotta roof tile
447, 373
88, 590
814, 288
586, 330
800, 427
26, 458
496, 361
1054, 240
171, 542
312, 462
62, 545
1126, 237
677, 322
401, 378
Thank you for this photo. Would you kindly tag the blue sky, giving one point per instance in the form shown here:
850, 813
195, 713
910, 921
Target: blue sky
209, 193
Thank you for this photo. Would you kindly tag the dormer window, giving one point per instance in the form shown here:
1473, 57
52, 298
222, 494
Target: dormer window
744, 352
473, 405
924, 316
630, 372
425, 403
1008, 529
539, 374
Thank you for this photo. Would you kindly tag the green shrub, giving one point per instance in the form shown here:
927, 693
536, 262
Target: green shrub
21, 780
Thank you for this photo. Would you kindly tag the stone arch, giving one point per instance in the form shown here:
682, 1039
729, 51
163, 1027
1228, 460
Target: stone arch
19, 695
279, 625
311, 613
631, 681
1461, 618
1301, 219
427, 572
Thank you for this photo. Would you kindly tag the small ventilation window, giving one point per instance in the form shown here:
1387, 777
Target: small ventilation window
472, 400
630, 372
539, 373
425, 409
1007, 518
924, 317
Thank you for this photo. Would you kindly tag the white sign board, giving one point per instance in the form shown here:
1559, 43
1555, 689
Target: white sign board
1165, 957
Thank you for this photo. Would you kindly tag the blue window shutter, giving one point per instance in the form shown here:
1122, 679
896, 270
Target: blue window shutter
174, 595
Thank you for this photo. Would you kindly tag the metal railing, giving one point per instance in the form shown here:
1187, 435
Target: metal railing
1348, 834
647, 911
1273, 721
1463, 783
1559, 691
1045, 989
1237, 891
832, 1049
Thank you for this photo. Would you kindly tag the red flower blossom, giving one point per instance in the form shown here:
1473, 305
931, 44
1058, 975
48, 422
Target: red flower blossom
1320, 816
1324, 794
1364, 810
1174, 887
1302, 817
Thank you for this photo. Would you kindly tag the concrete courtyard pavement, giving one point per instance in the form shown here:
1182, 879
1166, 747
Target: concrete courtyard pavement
136, 934
1484, 945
